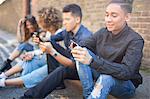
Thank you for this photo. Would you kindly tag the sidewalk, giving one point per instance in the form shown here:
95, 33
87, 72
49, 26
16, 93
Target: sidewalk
73, 90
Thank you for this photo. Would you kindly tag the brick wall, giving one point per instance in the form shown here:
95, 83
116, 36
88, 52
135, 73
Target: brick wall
10, 13
141, 23
93, 16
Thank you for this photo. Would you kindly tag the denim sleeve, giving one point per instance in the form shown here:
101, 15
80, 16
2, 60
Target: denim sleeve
128, 66
58, 37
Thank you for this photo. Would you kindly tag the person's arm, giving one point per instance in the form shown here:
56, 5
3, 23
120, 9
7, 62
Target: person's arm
27, 56
14, 54
59, 57
62, 59
20, 30
128, 66
124, 70
58, 37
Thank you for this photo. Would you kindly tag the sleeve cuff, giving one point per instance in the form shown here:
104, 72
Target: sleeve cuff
96, 63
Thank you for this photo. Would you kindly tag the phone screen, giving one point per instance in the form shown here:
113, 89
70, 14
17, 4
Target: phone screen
74, 44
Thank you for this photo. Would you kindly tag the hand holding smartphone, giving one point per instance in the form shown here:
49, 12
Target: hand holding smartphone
73, 44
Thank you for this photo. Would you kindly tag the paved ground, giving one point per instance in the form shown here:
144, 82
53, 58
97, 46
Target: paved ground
71, 92
16, 92
7, 44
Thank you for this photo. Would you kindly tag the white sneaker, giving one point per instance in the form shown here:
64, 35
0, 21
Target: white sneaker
2, 75
2, 82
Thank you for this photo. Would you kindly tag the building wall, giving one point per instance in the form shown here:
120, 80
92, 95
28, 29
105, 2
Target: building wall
141, 23
93, 16
10, 13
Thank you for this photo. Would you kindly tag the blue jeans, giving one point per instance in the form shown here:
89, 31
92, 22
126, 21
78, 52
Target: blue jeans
105, 84
34, 70
33, 78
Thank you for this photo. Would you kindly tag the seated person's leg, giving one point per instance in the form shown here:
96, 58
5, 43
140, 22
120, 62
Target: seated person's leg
85, 75
53, 63
102, 87
6, 65
29, 80
106, 85
13, 70
71, 73
11, 82
35, 63
123, 89
47, 85
36, 76
18, 50
8, 73
27, 67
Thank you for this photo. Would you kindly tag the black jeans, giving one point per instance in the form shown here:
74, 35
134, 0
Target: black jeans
54, 79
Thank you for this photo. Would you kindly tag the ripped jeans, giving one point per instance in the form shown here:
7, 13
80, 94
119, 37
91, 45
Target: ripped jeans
105, 84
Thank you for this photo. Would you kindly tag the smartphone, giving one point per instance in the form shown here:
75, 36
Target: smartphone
73, 44
37, 34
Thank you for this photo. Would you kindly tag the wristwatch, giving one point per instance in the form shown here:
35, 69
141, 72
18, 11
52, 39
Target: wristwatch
55, 54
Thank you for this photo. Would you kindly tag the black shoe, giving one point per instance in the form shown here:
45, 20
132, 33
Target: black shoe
61, 86
6, 65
